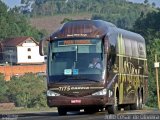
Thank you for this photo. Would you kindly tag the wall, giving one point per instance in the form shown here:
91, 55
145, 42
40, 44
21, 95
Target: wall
17, 70
23, 54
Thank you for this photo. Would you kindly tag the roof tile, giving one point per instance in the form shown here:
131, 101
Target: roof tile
15, 41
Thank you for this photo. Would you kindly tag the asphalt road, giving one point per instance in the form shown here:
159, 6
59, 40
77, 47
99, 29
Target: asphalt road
123, 115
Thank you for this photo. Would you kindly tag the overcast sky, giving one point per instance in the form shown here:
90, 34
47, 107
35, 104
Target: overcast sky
157, 2
12, 3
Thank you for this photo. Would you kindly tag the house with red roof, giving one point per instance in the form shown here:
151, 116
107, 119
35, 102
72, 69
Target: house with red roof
21, 50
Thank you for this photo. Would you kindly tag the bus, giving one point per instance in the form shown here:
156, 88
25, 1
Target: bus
120, 81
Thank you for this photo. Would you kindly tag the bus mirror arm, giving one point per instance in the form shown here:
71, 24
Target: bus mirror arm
106, 46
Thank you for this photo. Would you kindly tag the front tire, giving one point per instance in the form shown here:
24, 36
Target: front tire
127, 107
62, 111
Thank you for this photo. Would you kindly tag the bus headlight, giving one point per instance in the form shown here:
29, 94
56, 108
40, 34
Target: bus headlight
102, 92
51, 93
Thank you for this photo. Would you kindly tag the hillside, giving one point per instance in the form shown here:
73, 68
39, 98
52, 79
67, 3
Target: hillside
51, 23
48, 14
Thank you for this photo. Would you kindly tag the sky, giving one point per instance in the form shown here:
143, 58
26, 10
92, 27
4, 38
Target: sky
157, 2
12, 3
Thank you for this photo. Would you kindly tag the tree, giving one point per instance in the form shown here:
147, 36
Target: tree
145, 1
3, 89
152, 49
27, 91
153, 4
65, 20
148, 26
13, 24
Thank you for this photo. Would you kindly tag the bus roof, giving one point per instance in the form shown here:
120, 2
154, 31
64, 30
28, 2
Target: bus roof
82, 28
92, 29
131, 35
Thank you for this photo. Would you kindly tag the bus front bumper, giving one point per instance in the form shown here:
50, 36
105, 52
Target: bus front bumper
58, 101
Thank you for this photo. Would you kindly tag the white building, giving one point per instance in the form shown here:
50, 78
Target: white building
21, 50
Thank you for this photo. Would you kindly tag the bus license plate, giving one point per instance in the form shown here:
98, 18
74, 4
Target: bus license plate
75, 101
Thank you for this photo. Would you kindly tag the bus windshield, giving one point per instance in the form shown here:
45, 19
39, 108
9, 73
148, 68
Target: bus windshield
79, 59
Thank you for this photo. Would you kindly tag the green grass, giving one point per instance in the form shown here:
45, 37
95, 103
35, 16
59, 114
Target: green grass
148, 108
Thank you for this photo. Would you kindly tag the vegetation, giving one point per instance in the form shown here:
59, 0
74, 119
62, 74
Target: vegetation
3, 89
25, 91
13, 24
20, 90
119, 12
148, 26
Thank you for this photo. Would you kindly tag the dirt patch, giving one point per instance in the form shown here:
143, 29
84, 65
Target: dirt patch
52, 23
7, 106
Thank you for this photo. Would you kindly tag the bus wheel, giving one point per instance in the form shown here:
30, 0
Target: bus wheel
112, 109
140, 102
126, 107
62, 111
136, 105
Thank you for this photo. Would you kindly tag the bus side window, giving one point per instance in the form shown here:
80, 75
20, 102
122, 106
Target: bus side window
111, 58
128, 47
141, 50
134, 48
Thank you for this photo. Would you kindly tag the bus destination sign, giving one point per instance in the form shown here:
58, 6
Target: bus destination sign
75, 42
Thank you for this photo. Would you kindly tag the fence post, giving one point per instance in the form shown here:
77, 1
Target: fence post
156, 65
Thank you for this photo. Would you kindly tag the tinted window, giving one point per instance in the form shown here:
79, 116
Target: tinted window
128, 48
120, 45
134, 49
141, 50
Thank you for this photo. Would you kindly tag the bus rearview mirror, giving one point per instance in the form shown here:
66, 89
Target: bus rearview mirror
41, 47
42, 44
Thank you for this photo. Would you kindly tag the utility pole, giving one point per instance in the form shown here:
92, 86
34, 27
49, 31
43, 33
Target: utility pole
156, 65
